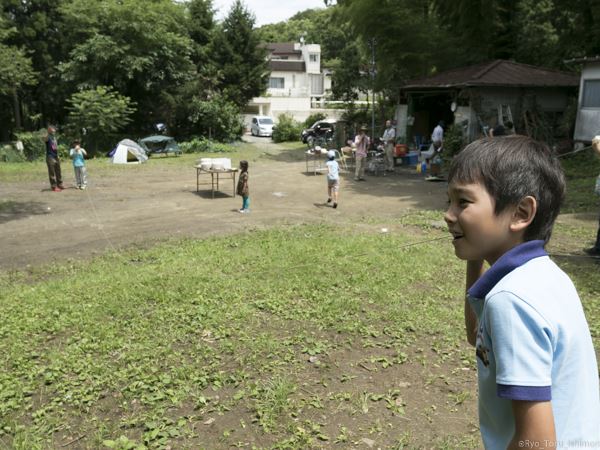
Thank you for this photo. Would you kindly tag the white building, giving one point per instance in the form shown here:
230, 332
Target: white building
297, 84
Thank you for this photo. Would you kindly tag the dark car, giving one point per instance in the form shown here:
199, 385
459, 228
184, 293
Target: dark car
321, 128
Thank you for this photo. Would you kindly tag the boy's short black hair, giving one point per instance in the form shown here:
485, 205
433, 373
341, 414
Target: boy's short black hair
511, 169
244, 165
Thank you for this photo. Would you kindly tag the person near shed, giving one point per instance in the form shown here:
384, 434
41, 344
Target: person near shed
52, 159
595, 250
437, 142
361, 141
389, 139
502, 130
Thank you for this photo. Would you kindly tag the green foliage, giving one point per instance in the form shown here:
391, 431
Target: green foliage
357, 116
140, 47
102, 112
216, 118
314, 117
8, 153
453, 140
33, 145
286, 129
203, 145
242, 65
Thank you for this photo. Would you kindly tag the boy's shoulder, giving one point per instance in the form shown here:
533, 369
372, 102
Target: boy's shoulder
541, 285
536, 274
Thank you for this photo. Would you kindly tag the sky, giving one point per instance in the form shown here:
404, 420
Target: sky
268, 11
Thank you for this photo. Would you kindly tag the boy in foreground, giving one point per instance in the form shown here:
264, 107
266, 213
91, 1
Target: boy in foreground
537, 370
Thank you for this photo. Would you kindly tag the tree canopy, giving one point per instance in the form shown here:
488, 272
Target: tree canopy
173, 58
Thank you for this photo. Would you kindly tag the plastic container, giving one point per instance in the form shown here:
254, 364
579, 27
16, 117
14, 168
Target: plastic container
401, 150
410, 159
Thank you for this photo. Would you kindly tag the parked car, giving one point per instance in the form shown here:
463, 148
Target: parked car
321, 128
262, 126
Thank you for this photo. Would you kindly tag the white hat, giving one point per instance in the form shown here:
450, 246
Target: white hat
331, 154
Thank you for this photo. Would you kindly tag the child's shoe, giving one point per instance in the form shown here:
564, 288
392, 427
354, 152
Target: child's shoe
329, 200
56, 189
334, 205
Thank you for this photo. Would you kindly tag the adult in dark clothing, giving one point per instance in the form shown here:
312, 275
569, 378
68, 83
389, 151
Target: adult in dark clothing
52, 160
502, 130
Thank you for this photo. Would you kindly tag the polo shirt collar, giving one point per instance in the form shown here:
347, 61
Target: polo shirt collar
515, 257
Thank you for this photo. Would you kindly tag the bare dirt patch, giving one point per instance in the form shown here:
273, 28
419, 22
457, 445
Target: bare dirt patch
138, 207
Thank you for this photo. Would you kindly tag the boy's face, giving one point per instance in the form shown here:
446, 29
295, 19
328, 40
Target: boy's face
479, 234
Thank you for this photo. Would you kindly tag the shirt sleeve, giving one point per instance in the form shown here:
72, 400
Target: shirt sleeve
522, 342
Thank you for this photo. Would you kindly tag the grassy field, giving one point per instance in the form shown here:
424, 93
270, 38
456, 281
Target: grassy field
100, 166
292, 338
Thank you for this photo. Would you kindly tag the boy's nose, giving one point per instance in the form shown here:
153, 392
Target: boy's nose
449, 217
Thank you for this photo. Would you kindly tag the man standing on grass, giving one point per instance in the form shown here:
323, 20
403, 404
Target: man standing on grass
52, 160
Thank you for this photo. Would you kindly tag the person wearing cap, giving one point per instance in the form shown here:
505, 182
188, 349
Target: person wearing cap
389, 139
361, 142
333, 178
52, 159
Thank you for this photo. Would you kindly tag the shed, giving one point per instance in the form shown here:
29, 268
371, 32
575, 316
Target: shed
587, 124
484, 95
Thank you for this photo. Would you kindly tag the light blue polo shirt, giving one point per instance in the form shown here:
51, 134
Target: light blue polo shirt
533, 343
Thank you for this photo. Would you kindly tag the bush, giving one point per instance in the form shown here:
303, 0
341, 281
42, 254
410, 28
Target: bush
453, 140
102, 112
314, 118
9, 153
33, 145
287, 129
203, 145
217, 118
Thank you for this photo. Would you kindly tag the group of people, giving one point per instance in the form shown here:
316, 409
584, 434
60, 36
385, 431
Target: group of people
77, 154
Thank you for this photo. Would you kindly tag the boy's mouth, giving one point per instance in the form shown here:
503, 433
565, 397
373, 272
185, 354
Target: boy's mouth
456, 236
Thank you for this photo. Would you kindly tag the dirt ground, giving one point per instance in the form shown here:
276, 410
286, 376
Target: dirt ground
40, 226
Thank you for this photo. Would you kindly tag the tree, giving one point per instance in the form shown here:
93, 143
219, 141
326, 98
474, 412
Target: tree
98, 113
140, 47
538, 36
39, 35
16, 72
242, 63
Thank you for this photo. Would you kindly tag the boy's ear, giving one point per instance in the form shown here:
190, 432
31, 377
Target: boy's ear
524, 214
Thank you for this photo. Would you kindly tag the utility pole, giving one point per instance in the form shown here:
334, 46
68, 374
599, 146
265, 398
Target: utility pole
372, 43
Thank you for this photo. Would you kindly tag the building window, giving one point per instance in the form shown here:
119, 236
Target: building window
591, 94
276, 83
313, 57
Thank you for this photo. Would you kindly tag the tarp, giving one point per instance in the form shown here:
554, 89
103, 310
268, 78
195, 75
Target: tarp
128, 152
160, 144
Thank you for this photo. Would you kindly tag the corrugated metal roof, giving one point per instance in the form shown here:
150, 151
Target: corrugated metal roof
282, 48
585, 59
497, 73
284, 65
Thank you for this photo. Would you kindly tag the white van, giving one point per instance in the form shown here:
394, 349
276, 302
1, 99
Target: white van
262, 126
